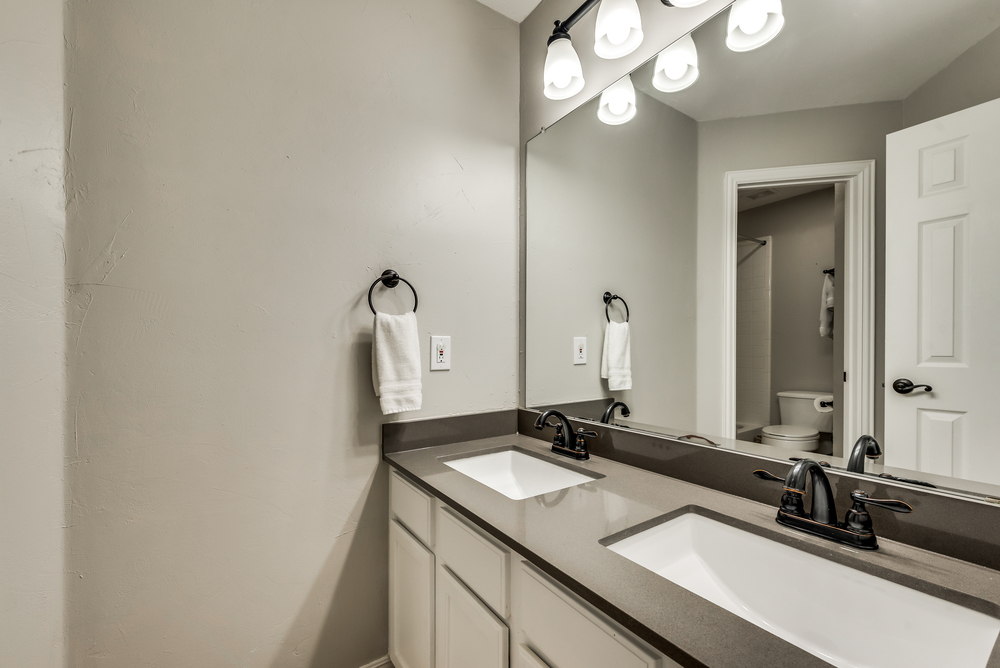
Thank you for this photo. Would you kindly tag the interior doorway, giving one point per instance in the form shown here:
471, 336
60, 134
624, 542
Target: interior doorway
789, 356
852, 345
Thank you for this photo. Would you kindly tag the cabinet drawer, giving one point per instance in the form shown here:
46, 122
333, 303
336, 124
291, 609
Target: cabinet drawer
411, 507
567, 633
480, 563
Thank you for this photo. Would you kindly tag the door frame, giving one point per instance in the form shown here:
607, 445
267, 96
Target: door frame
857, 314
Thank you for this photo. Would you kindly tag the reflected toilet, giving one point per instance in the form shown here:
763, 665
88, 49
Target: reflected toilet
801, 421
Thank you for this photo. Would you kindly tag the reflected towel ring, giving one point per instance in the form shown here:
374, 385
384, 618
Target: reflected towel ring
390, 279
608, 298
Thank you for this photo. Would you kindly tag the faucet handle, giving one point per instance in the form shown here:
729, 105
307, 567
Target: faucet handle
767, 475
581, 436
861, 499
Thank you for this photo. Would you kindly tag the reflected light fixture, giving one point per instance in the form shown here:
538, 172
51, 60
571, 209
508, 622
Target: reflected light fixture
677, 66
683, 3
618, 102
619, 29
753, 23
563, 73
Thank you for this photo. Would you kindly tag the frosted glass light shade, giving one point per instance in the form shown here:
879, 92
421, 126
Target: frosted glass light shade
619, 28
563, 74
753, 23
687, 3
677, 66
618, 102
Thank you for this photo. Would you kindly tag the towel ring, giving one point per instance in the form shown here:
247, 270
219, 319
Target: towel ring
391, 279
608, 298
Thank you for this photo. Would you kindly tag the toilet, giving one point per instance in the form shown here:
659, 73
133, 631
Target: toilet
800, 424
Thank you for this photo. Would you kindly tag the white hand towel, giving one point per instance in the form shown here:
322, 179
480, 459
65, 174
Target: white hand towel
616, 362
826, 308
396, 362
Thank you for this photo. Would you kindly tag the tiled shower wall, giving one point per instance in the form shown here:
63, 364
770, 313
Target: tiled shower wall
753, 332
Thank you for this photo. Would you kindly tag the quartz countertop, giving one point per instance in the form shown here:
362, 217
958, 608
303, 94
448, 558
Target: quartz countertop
559, 533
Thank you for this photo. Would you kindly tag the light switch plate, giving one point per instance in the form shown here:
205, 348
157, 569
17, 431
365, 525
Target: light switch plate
440, 353
579, 350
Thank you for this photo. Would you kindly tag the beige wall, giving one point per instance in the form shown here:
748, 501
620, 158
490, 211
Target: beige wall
239, 173
612, 208
32, 377
973, 78
802, 246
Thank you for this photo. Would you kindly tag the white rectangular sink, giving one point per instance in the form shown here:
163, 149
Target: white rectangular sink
844, 616
519, 475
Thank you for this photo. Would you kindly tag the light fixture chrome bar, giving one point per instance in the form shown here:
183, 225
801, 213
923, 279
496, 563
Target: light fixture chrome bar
756, 241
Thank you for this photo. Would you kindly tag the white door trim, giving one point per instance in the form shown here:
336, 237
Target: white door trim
857, 317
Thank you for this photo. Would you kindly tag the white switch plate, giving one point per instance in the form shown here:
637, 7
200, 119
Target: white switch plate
579, 350
440, 353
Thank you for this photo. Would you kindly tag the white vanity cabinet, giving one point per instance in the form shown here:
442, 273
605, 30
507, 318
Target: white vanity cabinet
460, 599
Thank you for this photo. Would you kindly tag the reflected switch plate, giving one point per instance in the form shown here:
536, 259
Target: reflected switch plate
579, 350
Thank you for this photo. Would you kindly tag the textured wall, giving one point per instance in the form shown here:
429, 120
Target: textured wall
32, 378
612, 208
239, 173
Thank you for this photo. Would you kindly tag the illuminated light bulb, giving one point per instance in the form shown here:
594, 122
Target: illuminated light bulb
753, 23
619, 28
676, 67
563, 75
618, 102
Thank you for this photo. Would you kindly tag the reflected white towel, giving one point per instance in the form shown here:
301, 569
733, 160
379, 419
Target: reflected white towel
396, 362
616, 362
826, 308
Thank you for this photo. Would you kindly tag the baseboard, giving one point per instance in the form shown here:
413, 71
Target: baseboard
384, 662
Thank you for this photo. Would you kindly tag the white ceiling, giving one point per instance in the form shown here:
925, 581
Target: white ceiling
512, 9
830, 53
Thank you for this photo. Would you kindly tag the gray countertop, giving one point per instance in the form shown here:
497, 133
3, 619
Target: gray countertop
559, 533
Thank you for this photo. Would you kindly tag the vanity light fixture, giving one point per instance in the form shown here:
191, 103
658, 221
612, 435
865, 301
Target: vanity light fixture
677, 66
563, 73
619, 29
618, 33
618, 102
753, 23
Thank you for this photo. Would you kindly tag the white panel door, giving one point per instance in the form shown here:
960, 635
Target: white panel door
943, 294
411, 600
468, 634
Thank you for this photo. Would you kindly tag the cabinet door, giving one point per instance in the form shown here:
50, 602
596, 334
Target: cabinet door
411, 600
468, 634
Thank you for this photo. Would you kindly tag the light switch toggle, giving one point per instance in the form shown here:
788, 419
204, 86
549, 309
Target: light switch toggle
440, 353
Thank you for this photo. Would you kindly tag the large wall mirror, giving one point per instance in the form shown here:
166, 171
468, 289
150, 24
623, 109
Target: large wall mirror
803, 238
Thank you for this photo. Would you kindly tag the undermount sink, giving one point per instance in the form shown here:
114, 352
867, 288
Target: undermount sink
844, 616
519, 474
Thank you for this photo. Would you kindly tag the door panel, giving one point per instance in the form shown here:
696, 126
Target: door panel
468, 634
411, 600
942, 294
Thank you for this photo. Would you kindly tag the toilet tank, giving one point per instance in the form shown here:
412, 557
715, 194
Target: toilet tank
796, 407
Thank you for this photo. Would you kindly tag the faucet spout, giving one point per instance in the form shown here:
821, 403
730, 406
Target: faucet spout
610, 412
563, 428
866, 446
824, 509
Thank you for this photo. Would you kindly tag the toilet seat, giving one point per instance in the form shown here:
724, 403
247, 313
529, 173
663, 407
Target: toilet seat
791, 432
804, 439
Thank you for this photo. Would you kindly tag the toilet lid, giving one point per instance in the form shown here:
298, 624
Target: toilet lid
791, 432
